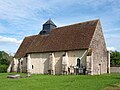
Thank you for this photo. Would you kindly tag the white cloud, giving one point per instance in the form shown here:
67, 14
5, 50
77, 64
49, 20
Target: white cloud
22, 9
111, 48
9, 40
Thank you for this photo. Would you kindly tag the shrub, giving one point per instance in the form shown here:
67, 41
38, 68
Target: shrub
115, 58
3, 68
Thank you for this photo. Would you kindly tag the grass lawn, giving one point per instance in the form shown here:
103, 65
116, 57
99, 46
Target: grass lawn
68, 82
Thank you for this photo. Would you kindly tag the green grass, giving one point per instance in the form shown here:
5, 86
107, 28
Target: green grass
50, 82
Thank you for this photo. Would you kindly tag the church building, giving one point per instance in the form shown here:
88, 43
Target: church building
73, 49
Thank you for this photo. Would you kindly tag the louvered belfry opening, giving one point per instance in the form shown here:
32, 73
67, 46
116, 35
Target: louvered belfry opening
47, 27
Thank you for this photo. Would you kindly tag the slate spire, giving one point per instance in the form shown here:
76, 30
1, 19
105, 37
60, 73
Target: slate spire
47, 27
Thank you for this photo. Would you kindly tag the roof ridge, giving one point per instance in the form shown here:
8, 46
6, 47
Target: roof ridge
77, 23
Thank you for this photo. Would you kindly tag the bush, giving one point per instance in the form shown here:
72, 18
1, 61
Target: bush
115, 58
3, 68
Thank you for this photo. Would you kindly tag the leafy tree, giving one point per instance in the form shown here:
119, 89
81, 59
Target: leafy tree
115, 58
5, 60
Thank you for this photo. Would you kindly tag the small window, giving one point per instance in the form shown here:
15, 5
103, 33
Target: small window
78, 63
32, 66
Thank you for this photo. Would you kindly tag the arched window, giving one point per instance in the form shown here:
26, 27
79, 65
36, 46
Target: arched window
78, 63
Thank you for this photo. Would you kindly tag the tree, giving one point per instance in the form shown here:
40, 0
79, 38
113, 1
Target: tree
115, 58
5, 60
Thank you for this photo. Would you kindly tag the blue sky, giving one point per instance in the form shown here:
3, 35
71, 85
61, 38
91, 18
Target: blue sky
20, 18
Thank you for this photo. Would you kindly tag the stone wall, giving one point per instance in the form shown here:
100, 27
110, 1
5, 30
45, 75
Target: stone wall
99, 51
40, 61
24, 65
14, 65
58, 62
115, 69
74, 55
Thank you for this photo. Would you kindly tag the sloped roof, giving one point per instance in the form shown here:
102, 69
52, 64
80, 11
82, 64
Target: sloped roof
21, 52
49, 22
71, 37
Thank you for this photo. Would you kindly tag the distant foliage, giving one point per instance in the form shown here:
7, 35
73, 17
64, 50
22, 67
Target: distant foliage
115, 58
3, 68
5, 60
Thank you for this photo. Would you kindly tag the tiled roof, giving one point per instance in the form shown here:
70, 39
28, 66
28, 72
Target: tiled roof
72, 37
21, 52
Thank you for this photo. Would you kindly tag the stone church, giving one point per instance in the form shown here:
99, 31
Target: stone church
73, 49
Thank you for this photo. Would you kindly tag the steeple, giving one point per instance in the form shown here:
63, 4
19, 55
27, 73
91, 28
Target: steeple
47, 27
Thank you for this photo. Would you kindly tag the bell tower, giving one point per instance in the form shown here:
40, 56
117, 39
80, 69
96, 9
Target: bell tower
47, 27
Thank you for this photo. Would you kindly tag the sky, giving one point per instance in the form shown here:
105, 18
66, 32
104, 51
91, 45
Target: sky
20, 18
